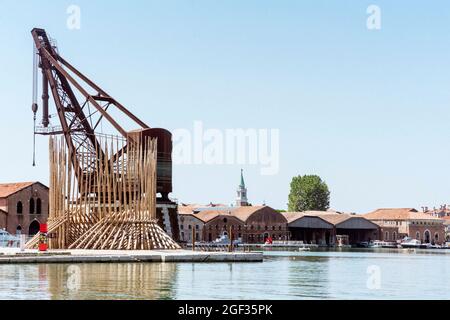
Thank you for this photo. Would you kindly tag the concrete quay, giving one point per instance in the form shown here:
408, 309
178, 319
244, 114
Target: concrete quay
15, 256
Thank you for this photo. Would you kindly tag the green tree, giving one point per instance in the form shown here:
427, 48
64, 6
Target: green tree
308, 192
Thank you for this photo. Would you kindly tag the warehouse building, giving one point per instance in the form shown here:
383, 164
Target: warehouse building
250, 224
324, 227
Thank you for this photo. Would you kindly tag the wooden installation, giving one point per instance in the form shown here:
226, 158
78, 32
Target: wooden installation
113, 207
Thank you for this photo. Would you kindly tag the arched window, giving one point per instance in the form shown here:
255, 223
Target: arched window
417, 235
19, 230
19, 208
436, 237
38, 206
394, 236
33, 228
386, 236
31, 206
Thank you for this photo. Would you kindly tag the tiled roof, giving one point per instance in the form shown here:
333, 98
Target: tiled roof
208, 215
243, 213
292, 216
7, 189
190, 208
331, 217
336, 218
398, 214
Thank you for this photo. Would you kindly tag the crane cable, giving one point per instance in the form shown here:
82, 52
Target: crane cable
34, 98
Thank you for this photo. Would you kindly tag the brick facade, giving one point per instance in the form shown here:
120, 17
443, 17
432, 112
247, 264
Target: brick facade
23, 210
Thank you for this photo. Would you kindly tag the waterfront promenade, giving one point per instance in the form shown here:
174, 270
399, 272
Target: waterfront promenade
15, 256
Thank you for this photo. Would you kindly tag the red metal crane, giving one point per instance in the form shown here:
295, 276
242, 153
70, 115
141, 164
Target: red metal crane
82, 108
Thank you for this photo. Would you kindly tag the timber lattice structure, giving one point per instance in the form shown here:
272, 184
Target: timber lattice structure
113, 207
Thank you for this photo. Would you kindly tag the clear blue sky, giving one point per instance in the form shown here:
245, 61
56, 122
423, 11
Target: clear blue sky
368, 111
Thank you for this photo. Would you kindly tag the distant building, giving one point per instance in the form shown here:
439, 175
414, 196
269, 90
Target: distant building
251, 224
408, 222
23, 206
241, 200
443, 211
447, 228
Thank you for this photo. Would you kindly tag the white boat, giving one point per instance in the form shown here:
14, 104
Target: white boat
411, 243
304, 249
376, 244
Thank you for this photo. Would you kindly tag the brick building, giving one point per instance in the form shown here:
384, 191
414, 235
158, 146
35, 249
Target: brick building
23, 206
251, 224
408, 222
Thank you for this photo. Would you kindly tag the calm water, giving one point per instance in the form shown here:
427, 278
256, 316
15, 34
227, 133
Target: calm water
282, 275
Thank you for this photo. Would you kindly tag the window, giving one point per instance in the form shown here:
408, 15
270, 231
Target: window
190, 227
182, 236
394, 236
196, 227
31, 206
386, 236
19, 208
418, 235
38, 206
182, 226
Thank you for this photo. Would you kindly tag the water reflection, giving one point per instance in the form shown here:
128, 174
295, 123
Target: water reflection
88, 281
112, 281
284, 275
309, 277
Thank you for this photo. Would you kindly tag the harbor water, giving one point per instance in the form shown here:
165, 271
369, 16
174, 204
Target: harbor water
351, 274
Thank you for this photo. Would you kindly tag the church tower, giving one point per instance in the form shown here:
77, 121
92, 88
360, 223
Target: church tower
241, 200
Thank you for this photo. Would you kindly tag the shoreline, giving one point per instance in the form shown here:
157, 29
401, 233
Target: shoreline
110, 256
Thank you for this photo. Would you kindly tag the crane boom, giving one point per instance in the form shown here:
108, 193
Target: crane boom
82, 107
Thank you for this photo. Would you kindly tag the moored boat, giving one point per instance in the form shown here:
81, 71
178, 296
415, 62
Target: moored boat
382, 244
411, 243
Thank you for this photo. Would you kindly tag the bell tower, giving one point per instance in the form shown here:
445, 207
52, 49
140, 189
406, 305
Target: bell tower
241, 200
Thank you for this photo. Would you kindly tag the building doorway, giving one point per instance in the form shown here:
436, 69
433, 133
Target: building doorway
33, 228
426, 236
